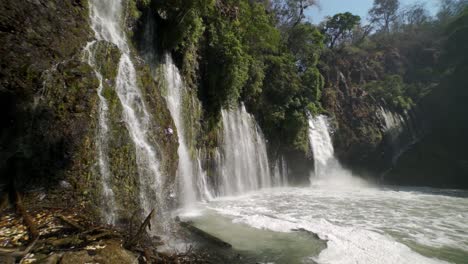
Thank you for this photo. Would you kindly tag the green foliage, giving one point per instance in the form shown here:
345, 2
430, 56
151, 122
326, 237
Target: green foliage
339, 27
287, 97
181, 22
392, 90
227, 66
305, 42
256, 30
235, 52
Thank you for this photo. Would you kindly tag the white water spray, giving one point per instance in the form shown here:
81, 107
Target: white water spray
106, 18
280, 173
244, 161
328, 170
108, 204
190, 173
400, 131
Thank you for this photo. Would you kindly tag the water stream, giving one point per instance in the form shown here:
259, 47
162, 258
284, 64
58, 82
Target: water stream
244, 160
192, 178
108, 204
280, 172
400, 130
359, 223
327, 169
107, 21
369, 225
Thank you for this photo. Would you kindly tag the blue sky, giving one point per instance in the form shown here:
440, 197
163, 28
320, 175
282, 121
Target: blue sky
358, 7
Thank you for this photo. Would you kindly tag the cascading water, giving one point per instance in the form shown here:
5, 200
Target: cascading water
244, 159
328, 170
202, 181
109, 206
322, 146
280, 173
106, 21
189, 168
400, 131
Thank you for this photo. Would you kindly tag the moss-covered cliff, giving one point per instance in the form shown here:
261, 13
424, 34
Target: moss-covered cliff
50, 100
47, 92
358, 127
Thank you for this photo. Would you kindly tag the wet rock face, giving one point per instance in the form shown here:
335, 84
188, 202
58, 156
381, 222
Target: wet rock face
40, 41
358, 130
49, 104
35, 35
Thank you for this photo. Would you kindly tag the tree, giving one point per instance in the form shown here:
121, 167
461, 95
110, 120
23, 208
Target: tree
291, 12
450, 8
305, 43
384, 13
339, 27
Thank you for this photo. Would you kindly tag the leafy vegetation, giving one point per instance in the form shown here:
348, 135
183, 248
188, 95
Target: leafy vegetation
261, 53
392, 90
266, 54
339, 27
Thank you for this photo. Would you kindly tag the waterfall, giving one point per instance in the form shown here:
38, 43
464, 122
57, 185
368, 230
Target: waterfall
244, 160
280, 172
327, 169
400, 130
322, 146
190, 173
108, 205
106, 21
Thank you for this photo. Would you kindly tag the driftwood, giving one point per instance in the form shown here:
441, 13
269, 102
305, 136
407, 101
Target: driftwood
141, 231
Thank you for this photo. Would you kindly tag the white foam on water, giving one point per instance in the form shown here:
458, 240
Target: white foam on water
328, 172
357, 224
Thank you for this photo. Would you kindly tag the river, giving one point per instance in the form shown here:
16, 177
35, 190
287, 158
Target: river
359, 225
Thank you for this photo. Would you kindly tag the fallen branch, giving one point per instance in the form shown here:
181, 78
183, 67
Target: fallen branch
16, 253
70, 222
137, 237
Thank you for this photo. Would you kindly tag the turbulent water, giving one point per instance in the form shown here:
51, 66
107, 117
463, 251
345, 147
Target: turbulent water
328, 171
192, 178
244, 160
368, 225
359, 223
322, 146
106, 21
